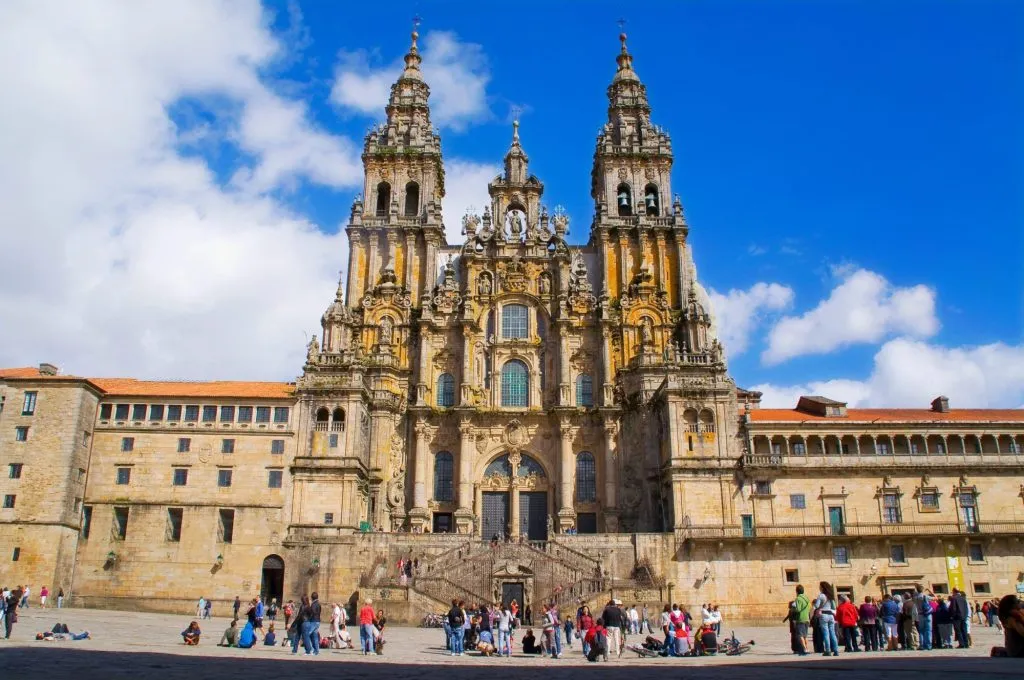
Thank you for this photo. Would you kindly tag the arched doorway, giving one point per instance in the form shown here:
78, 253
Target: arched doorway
272, 579
514, 498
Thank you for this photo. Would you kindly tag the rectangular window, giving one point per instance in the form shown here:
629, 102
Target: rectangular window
29, 407
191, 413
9, 500
174, 413
747, 522
982, 589
840, 555
184, 445
940, 588
976, 552
16, 555
332, 441
86, 521
799, 449
227, 414
156, 412
797, 501
891, 508
14, 470
174, 518
85, 438
280, 414
245, 414
514, 321
262, 414
105, 411
929, 500
209, 414
224, 477
762, 488
180, 477
138, 411
277, 446
792, 575
124, 475
127, 444
21, 433
121, 412
274, 479
227, 445
328, 518
226, 526
120, 527
897, 554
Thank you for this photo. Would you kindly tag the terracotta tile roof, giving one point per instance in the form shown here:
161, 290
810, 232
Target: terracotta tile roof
26, 372
892, 415
130, 387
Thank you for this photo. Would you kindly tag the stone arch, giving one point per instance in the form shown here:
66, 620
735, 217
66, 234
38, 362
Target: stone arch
624, 199
322, 419
338, 419
515, 383
412, 199
383, 203
707, 420
652, 203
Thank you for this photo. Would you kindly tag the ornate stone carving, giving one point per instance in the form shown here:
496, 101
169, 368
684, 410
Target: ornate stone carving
513, 275
396, 485
446, 298
516, 435
581, 291
623, 174
484, 285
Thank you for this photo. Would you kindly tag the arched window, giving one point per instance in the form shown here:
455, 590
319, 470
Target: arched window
323, 417
514, 321
446, 390
383, 199
624, 199
515, 384
412, 199
651, 199
584, 391
707, 421
444, 481
528, 466
586, 478
338, 420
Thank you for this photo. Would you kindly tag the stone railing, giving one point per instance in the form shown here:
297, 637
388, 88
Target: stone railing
857, 530
446, 590
900, 460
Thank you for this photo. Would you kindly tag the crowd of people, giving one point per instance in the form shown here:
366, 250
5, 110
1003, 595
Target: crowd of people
19, 597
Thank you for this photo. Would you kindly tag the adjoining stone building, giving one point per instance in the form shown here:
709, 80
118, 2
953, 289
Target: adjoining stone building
573, 398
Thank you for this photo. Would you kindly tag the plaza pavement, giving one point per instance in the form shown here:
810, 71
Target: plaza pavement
143, 645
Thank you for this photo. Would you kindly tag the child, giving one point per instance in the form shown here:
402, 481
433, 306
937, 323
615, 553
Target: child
191, 634
270, 639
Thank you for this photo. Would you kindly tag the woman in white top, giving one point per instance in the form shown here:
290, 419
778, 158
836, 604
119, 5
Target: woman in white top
504, 631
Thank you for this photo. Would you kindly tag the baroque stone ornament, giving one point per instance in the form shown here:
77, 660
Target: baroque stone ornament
513, 275
446, 298
516, 435
396, 460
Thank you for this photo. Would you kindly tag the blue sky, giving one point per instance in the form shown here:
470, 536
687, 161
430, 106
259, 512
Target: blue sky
852, 173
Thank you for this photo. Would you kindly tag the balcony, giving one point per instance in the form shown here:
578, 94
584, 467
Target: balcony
867, 460
859, 530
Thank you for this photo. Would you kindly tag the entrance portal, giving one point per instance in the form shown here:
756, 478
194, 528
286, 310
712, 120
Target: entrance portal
533, 515
272, 580
512, 591
496, 514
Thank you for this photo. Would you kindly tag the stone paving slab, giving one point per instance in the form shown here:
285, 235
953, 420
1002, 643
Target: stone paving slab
142, 645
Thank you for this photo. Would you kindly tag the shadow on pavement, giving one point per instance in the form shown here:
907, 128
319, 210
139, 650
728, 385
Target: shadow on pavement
52, 661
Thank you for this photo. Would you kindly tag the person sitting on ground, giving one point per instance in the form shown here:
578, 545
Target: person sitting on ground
485, 648
597, 639
1011, 615
248, 637
270, 639
230, 636
191, 634
344, 639
530, 645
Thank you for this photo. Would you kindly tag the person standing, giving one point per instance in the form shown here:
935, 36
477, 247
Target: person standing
923, 602
315, 610
911, 636
238, 605
825, 609
868, 617
24, 597
959, 612
456, 621
44, 593
366, 627
846, 619
504, 631
613, 619
803, 615
11, 611
60, 599
201, 607
299, 618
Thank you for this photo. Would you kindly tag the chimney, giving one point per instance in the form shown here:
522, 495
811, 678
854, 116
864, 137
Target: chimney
940, 404
48, 369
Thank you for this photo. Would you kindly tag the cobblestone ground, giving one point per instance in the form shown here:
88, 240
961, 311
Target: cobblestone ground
142, 646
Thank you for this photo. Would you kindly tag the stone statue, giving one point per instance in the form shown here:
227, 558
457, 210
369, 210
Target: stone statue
545, 284
515, 224
386, 330
646, 333
485, 284
551, 525
312, 350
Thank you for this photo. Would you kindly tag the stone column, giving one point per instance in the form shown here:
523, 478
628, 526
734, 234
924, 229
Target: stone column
373, 269
433, 242
623, 262
466, 379
566, 513
410, 250
424, 365
419, 514
478, 510
607, 393
681, 264
611, 511
605, 246
514, 514
355, 244
564, 382
464, 515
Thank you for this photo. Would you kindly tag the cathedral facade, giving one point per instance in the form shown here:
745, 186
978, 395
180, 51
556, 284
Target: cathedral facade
572, 402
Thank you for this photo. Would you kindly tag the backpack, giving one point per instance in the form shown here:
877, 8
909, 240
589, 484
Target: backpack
794, 611
600, 640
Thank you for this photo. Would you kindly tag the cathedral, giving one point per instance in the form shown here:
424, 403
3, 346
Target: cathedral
525, 418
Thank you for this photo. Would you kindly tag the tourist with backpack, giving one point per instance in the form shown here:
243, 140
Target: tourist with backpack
597, 638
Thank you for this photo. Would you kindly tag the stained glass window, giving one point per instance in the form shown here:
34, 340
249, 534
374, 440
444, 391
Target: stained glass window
513, 321
446, 390
515, 384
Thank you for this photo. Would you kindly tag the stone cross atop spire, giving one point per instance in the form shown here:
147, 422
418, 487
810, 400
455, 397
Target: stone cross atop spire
516, 160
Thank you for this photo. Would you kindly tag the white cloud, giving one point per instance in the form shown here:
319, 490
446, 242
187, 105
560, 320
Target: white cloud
124, 256
863, 308
457, 73
910, 373
465, 186
739, 313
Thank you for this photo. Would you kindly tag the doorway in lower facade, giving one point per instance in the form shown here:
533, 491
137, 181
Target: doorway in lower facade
442, 523
533, 515
512, 591
272, 579
496, 514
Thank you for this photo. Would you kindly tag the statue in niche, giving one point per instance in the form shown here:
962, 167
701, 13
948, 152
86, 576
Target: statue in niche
484, 286
646, 332
717, 352
515, 224
312, 350
544, 284
387, 328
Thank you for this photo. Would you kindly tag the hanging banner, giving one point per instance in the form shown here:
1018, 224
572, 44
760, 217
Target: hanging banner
954, 568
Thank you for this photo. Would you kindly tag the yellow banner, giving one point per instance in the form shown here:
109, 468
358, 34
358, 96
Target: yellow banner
954, 568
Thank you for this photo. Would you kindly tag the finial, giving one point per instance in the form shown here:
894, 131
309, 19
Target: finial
515, 131
416, 20
622, 33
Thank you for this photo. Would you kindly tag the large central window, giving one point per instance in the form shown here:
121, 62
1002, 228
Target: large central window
444, 477
513, 321
515, 384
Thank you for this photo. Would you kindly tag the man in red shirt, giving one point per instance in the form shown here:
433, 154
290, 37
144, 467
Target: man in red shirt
366, 621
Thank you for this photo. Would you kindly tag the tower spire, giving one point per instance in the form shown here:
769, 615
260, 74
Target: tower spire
412, 57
